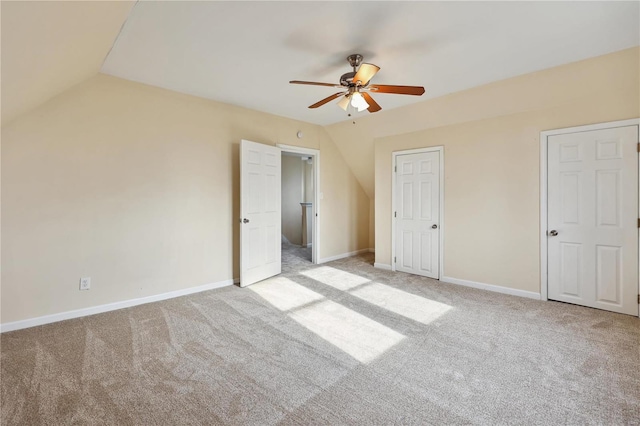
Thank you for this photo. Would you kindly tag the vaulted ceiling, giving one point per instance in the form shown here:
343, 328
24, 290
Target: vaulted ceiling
48, 47
244, 53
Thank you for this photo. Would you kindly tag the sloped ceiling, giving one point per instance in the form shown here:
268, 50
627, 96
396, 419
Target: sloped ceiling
600, 76
245, 53
47, 47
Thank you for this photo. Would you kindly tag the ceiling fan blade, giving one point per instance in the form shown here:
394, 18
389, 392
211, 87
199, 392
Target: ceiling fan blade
314, 83
373, 105
365, 73
399, 90
327, 99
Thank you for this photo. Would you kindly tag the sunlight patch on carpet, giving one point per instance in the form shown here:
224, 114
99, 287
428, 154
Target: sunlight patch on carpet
361, 337
402, 303
285, 294
336, 278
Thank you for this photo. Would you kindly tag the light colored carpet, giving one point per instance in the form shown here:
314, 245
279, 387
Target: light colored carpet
340, 343
295, 257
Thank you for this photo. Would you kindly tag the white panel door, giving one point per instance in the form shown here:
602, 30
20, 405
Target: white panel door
593, 219
260, 210
417, 215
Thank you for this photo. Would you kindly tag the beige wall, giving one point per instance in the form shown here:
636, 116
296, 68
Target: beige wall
308, 181
335, 206
372, 223
356, 143
292, 195
138, 188
561, 85
492, 165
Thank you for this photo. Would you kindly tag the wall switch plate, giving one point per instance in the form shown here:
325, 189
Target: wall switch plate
85, 283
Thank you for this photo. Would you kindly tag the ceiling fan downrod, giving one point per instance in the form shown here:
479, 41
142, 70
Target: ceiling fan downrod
355, 60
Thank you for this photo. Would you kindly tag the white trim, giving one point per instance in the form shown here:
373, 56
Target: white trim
543, 216
343, 255
394, 155
315, 211
591, 127
47, 319
543, 188
382, 266
492, 287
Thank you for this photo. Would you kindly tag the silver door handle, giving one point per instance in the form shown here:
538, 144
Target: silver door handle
434, 226
245, 220
553, 233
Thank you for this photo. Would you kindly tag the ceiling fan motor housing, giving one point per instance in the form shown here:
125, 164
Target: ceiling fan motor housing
346, 79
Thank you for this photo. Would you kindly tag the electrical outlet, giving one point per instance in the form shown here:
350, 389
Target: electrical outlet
85, 283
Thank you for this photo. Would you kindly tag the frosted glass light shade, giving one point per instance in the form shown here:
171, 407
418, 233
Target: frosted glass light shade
344, 102
358, 102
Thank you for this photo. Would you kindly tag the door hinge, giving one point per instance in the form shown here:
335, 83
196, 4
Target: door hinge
639, 299
394, 259
638, 146
395, 168
395, 214
638, 223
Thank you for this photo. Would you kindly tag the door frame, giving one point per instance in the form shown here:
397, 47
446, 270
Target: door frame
544, 282
315, 211
394, 154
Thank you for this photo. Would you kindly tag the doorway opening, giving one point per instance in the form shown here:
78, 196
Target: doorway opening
299, 185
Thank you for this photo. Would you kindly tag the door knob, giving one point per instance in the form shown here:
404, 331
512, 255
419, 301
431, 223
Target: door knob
245, 220
553, 233
434, 226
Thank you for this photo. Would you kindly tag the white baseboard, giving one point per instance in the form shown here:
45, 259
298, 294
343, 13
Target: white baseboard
47, 319
343, 255
491, 287
382, 266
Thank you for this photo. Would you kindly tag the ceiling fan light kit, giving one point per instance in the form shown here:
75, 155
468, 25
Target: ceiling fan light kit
344, 103
357, 87
358, 102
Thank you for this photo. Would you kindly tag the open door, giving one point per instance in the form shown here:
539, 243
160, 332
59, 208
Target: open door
260, 210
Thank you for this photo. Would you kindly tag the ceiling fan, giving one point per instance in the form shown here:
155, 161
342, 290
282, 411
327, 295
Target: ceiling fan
356, 87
